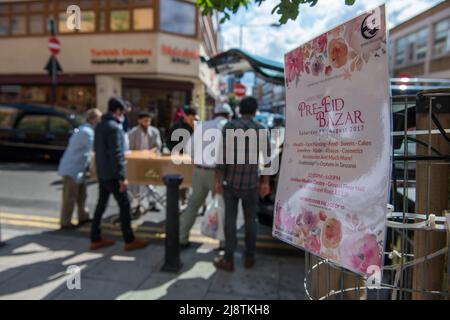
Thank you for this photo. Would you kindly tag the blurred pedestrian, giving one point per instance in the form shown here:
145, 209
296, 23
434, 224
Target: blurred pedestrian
240, 181
144, 137
73, 167
187, 122
110, 165
203, 177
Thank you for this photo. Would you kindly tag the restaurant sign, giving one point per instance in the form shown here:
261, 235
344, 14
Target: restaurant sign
182, 56
120, 57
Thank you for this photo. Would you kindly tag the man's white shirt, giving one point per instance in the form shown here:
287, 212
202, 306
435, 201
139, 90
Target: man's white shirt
205, 142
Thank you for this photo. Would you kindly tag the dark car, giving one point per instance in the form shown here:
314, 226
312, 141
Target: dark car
35, 131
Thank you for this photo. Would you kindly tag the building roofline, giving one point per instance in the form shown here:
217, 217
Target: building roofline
418, 17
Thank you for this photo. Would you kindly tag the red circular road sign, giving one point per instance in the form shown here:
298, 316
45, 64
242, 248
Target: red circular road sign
239, 90
54, 45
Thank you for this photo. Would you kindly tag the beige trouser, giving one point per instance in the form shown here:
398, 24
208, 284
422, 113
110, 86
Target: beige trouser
73, 193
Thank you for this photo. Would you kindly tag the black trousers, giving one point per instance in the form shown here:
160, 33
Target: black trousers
107, 187
249, 205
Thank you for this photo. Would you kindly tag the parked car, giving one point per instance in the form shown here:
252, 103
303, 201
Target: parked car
35, 131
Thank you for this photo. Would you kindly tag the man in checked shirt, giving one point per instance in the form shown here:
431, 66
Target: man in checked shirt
237, 177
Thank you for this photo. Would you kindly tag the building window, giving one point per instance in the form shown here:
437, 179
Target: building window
4, 26
442, 37
421, 45
36, 23
412, 48
400, 51
120, 20
18, 25
143, 19
87, 21
4, 8
181, 21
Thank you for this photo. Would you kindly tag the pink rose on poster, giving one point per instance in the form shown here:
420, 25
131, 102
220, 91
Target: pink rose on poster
307, 68
317, 66
287, 221
360, 252
312, 243
294, 65
331, 233
310, 220
337, 52
319, 44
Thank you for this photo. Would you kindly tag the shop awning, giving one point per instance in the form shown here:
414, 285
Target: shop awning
235, 61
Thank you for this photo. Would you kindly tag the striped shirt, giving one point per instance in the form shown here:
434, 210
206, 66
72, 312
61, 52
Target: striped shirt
239, 167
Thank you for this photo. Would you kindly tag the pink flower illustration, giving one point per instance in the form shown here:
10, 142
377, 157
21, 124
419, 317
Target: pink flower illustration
310, 220
312, 243
319, 44
307, 69
287, 221
331, 233
360, 252
328, 70
337, 52
294, 65
322, 215
317, 66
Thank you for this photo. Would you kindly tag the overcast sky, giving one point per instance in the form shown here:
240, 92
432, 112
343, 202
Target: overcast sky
274, 42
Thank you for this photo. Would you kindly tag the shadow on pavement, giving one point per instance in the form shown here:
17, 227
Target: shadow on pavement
35, 267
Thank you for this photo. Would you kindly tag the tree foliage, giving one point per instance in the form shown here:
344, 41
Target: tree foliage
286, 9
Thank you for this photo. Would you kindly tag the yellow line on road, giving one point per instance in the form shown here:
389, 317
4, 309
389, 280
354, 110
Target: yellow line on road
6, 215
52, 223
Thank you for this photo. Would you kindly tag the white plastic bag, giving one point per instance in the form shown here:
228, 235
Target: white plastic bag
213, 220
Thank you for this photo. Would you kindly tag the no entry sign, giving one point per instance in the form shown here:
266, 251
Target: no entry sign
239, 90
54, 45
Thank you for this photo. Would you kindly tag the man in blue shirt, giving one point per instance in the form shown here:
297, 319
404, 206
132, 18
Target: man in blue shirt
73, 166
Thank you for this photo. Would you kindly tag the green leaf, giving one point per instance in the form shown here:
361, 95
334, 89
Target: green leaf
286, 9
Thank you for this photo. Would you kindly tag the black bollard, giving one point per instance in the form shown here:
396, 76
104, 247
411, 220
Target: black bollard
1, 243
172, 261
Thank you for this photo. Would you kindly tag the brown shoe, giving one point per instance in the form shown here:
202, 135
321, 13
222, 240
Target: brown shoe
221, 263
249, 263
95, 245
136, 244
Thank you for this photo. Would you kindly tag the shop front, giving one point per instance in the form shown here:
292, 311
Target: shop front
157, 72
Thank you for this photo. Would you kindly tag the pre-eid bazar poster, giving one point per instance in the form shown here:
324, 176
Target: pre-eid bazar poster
335, 173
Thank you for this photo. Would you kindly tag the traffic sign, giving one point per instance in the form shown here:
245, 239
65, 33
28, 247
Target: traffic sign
54, 45
239, 90
53, 67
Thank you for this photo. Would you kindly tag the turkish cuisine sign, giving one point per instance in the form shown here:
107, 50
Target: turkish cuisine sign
335, 172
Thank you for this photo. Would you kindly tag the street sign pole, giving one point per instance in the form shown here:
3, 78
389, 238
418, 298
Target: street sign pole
54, 81
53, 64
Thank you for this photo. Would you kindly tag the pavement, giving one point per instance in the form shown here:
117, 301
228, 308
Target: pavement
37, 258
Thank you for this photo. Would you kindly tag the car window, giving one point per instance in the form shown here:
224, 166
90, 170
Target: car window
34, 123
7, 116
59, 125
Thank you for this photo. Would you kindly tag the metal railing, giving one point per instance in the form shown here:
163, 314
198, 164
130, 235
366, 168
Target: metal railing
417, 255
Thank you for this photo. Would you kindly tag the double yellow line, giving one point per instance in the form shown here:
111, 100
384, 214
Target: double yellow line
146, 232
